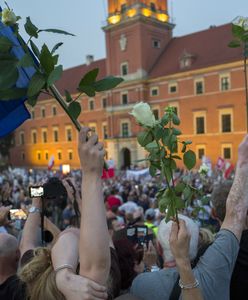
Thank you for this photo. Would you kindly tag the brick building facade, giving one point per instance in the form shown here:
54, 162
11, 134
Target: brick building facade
196, 73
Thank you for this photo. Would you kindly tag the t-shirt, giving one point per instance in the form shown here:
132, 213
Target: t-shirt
12, 289
239, 282
213, 271
113, 201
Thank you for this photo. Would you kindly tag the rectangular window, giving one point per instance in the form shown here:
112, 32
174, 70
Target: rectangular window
34, 137
172, 88
200, 152
225, 83
104, 102
105, 131
44, 136
54, 111
124, 99
43, 112
156, 44
199, 87
156, 113
200, 125
38, 156
46, 155
125, 129
69, 134
22, 138
124, 69
226, 123
70, 155
59, 155
91, 104
227, 152
154, 91
23, 156
55, 135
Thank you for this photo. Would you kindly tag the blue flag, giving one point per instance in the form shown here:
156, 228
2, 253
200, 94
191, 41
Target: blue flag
14, 112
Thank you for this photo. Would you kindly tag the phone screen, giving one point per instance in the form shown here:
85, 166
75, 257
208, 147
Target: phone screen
36, 191
17, 214
142, 232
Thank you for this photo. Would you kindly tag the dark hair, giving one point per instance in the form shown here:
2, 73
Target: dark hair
127, 258
109, 222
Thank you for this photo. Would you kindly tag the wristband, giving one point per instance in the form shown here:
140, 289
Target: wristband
188, 286
65, 266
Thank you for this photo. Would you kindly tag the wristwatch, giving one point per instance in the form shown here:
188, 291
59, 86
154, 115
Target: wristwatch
34, 209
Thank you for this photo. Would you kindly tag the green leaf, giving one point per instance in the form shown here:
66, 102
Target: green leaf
175, 119
144, 138
107, 83
35, 49
170, 213
56, 31
26, 61
176, 157
8, 73
89, 78
55, 75
46, 59
33, 100
151, 147
74, 110
152, 170
187, 142
179, 204
13, 93
187, 193
36, 84
189, 159
184, 148
88, 90
30, 28
68, 97
237, 31
176, 131
55, 59
166, 136
180, 187
165, 120
234, 44
56, 47
158, 132
5, 44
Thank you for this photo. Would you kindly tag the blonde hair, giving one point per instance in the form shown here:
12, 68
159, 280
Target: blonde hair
39, 277
206, 237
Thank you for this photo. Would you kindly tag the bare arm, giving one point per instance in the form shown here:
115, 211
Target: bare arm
237, 201
73, 287
30, 237
179, 243
94, 239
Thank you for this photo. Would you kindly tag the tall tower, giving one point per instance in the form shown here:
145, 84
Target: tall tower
137, 31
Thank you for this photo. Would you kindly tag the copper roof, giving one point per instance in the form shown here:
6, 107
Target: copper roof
208, 48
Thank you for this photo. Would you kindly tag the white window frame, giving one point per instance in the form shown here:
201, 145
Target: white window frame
129, 127
68, 152
225, 111
171, 84
124, 93
59, 151
227, 145
197, 114
103, 125
68, 127
42, 137
200, 146
154, 88
20, 139
55, 129
175, 104
224, 75
32, 137
89, 101
43, 108
124, 64
203, 86
54, 106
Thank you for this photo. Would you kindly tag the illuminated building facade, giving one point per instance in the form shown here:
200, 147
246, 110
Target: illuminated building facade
197, 73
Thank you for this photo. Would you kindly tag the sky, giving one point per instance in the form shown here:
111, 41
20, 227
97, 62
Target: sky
86, 18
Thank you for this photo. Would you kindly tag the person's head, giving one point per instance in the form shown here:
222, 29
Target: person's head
39, 277
164, 231
9, 251
218, 199
150, 215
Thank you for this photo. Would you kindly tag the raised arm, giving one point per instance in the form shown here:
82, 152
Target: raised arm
179, 244
237, 201
94, 240
30, 234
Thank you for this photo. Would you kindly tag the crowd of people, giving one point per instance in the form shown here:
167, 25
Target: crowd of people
89, 238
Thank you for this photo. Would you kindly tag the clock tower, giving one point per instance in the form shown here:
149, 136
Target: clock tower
137, 32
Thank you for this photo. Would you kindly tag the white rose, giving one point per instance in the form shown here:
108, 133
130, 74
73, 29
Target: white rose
143, 114
203, 169
8, 17
241, 22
